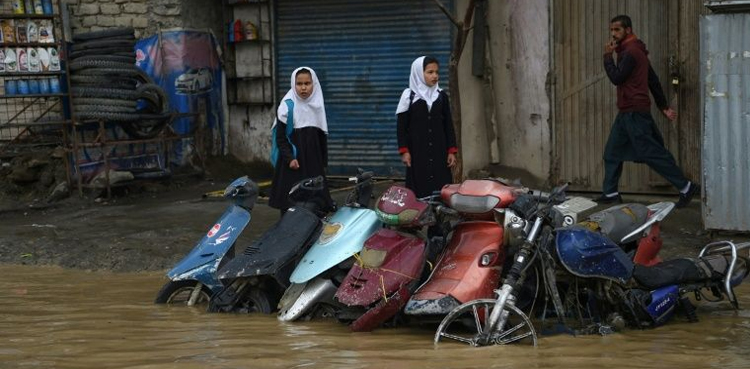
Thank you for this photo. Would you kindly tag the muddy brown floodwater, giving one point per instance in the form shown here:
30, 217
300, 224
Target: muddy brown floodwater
60, 318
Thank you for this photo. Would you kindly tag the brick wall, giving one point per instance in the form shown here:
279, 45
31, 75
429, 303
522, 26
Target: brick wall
146, 16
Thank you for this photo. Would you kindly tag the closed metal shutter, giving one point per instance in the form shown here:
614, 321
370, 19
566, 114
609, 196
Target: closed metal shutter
362, 51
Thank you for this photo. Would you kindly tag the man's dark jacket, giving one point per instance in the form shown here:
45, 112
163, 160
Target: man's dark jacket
634, 77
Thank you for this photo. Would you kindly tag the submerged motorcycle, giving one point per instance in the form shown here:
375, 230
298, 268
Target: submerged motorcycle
322, 269
474, 259
193, 280
391, 263
471, 263
254, 280
593, 285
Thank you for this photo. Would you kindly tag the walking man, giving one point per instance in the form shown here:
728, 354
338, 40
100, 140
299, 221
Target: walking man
635, 136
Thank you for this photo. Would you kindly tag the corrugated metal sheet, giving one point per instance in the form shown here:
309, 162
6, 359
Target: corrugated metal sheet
725, 76
585, 100
362, 52
687, 35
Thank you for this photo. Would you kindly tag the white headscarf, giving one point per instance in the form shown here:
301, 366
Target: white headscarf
419, 86
310, 112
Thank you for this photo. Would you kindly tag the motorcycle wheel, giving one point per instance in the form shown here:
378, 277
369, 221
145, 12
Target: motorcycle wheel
322, 311
466, 324
255, 301
178, 293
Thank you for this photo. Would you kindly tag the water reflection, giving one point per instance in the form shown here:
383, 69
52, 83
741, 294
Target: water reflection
56, 318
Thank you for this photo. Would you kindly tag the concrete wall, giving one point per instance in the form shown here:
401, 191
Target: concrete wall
520, 62
250, 132
146, 16
506, 114
475, 138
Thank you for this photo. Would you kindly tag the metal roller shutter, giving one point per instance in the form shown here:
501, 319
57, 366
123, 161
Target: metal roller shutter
362, 52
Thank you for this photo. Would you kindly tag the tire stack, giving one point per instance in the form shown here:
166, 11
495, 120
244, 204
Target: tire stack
107, 85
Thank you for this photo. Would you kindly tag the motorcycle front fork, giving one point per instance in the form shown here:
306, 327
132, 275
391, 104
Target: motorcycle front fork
195, 294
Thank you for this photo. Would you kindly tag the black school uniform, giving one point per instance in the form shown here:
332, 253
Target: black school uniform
428, 136
312, 154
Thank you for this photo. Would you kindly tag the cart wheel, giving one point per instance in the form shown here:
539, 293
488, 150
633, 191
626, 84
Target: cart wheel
466, 324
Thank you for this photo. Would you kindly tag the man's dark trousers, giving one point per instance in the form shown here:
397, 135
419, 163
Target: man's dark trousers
635, 137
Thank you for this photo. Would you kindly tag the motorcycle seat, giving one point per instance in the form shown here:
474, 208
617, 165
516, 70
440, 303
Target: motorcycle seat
618, 221
711, 268
285, 240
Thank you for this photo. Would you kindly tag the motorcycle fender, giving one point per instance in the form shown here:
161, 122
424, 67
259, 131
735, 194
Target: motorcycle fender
209, 251
459, 273
343, 236
307, 295
404, 257
380, 313
647, 252
205, 274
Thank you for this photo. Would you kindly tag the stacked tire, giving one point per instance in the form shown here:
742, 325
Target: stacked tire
107, 85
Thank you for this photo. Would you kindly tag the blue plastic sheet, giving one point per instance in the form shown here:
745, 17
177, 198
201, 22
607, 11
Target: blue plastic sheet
186, 64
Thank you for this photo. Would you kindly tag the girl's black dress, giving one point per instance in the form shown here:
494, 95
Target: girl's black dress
312, 154
428, 136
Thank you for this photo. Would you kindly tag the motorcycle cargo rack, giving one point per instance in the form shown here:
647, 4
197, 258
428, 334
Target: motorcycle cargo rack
722, 247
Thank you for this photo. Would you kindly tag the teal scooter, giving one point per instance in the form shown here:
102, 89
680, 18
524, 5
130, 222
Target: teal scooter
318, 275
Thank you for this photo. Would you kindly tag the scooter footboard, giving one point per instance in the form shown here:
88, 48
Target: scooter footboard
300, 298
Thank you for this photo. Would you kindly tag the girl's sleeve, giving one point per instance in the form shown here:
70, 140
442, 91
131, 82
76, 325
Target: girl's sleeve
323, 137
402, 132
285, 149
450, 133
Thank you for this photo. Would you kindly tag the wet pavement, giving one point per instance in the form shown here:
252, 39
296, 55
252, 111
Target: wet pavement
154, 231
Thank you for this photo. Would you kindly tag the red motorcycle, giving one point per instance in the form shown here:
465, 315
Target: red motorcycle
471, 264
389, 267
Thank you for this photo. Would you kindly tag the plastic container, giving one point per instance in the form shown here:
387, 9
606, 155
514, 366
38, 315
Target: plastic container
47, 6
239, 33
54, 85
34, 86
38, 7
11, 87
44, 86
18, 7
251, 32
23, 87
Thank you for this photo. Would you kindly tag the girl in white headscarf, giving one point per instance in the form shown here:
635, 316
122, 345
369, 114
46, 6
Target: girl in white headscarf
426, 139
299, 146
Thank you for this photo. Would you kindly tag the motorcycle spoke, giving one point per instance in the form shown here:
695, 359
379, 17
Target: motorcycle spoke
512, 339
457, 338
476, 319
511, 330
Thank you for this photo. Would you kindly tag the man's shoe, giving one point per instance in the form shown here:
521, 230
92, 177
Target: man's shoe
604, 199
685, 198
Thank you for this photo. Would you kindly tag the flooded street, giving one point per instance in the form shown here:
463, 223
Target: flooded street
60, 318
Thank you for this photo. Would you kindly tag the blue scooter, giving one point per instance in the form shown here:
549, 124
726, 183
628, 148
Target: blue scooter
193, 280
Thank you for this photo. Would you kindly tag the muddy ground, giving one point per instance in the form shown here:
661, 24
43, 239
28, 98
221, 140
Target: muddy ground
152, 225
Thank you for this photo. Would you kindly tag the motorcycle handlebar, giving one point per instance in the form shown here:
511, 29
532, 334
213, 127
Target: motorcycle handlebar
445, 210
362, 176
558, 193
